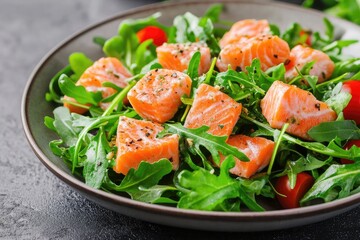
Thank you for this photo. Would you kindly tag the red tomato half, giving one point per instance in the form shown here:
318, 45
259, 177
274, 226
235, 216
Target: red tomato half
151, 32
347, 146
304, 182
352, 110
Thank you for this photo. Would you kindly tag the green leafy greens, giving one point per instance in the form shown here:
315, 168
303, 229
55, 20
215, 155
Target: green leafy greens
204, 179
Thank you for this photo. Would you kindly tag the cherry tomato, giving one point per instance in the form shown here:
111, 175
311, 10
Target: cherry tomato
347, 146
308, 38
151, 32
352, 110
304, 182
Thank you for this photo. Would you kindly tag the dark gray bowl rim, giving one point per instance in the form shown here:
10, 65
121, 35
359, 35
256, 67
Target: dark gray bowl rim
159, 209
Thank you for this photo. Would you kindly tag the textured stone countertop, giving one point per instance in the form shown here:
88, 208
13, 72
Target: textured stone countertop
34, 204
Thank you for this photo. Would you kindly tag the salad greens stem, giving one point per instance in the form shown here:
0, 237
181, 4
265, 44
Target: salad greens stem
333, 81
283, 129
120, 97
94, 124
75, 104
187, 109
314, 146
210, 72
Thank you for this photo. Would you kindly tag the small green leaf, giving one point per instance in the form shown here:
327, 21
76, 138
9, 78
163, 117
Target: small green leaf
54, 91
310, 163
153, 194
141, 184
146, 175
99, 41
63, 124
336, 182
193, 69
79, 93
207, 191
114, 46
275, 30
79, 63
49, 123
96, 164
214, 12
200, 137
329, 29
327, 131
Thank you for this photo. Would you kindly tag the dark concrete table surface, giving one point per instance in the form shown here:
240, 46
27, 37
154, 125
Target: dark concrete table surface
34, 204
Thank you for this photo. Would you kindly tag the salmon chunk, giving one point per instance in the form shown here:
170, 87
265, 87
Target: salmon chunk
270, 50
257, 149
157, 96
284, 103
177, 56
107, 69
215, 109
243, 30
136, 141
300, 55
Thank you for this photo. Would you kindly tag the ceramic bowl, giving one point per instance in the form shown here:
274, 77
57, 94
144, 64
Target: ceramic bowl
35, 108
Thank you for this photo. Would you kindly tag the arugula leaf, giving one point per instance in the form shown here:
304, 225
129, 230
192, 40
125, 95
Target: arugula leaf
113, 46
327, 131
153, 194
257, 186
200, 137
79, 63
331, 150
54, 91
292, 34
99, 41
308, 163
351, 65
193, 69
126, 47
239, 84
147, 175
138, 24
338, 99
96, 163
79, 93
339, 45
49, 123
214, 12
141, 183
63, 123
206, 191
190, 28
144, 54
55, 147
275, 30
338, 181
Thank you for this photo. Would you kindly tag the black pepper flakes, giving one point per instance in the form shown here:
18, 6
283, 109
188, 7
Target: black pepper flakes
317, 106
